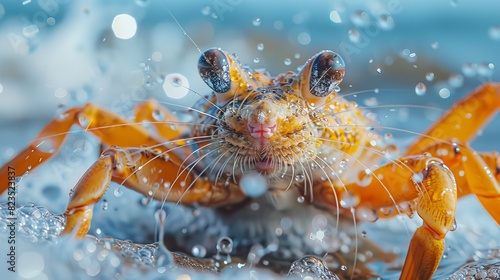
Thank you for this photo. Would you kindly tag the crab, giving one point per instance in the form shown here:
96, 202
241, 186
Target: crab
290, 134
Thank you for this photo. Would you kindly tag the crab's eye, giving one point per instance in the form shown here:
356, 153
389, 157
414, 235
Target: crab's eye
213, 67
327, 71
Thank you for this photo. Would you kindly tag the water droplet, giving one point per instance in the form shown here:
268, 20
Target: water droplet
145, 200
348, 200
366, 214
301, 199
254, 184
118, 192
256, 22
199, 251
205, 11
287, 61
354, 35
420, 89
360, 18
343, 267
494, 32
310, 267
256, 60
485, 70
454, 225
429, 76
343, 164
435, 45
386, 22
299, 177
260, 47
335, 17
176, 85
417, 178
456, 80
379, 70
158, 115
104, 204
304, 38
371, 101
142, 3
365, 178
296, 55
469, 69
84, 122
224, 245
444, 93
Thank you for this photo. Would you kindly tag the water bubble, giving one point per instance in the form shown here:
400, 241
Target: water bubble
367, 214
371, 101
343, 164
118, 192
199, 251
335, 17
310, 267
256, 22
301, 199
205, 11
379, 71
31, 264
176, 85
386, 22
469, 69
435, 45
456, 80
420, 89
30, 31
254, 184
444, 93
494, 32
485, 70
304, 38
360, 18
343, 267
287, 61
124, 26
260, 47
160, 216
104, 204
225, 245
348, 200
354, 35
158, 115
256, 60
299, 177
429, 76
142, 3
365, 178
417, 178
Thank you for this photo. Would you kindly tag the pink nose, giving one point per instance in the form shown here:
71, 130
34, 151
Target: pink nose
258, 130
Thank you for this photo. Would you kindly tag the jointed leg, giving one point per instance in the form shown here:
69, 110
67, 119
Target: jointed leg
133, 168
110, 128
422, 180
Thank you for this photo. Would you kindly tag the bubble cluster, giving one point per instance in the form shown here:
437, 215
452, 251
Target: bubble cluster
310, 267
36, 222
485, 266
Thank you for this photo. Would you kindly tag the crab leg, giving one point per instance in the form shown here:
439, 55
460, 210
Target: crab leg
164, 122
428, 183
109, 127
474, 173
158, 175
463, 120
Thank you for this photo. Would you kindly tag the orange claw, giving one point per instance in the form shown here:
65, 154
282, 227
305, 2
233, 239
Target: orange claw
134, 168
428, 184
